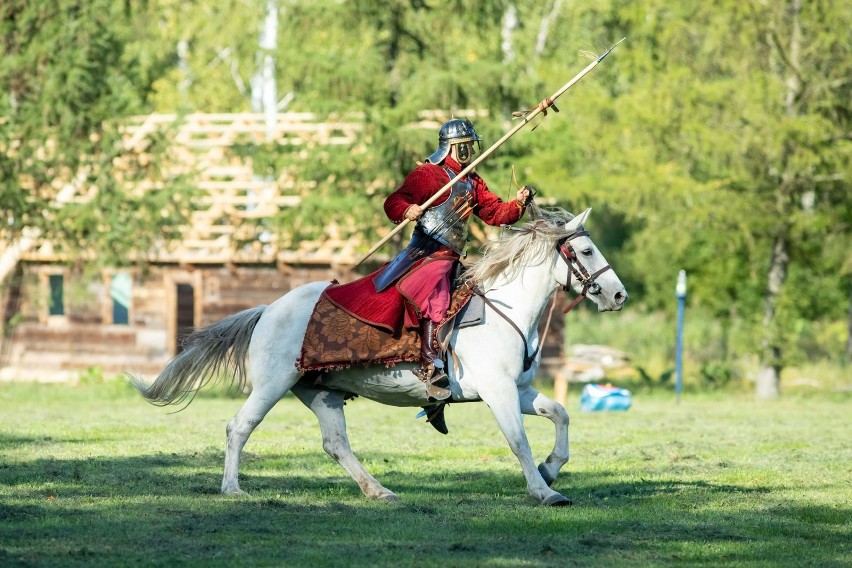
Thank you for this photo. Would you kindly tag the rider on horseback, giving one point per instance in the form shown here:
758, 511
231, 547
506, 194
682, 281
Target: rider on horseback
423, 270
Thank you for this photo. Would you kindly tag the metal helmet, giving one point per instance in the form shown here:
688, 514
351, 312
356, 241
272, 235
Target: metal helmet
453, 131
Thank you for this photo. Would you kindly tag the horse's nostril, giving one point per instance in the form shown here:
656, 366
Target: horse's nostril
621, 297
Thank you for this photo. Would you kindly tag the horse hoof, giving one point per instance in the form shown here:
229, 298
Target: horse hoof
549, 479
388, 497
234, 491
558, 501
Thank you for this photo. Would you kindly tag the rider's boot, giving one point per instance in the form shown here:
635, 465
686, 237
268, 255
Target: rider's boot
431, 369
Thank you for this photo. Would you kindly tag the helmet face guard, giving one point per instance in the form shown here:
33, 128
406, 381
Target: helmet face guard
458, 131
464, 152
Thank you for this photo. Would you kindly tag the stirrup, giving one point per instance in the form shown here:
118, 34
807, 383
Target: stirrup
439, 377
438, 393
435, 379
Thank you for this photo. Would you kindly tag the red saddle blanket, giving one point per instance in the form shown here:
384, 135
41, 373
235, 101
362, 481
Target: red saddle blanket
337, 339
385, 310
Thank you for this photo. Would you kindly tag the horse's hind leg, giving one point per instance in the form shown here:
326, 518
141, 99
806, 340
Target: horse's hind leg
258, 404
535, 403
328, 408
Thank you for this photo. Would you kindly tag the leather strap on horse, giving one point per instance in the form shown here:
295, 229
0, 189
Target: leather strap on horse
587, 284
528, 357
566, 251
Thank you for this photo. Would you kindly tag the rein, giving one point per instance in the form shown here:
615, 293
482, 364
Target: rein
528, 357
569, 255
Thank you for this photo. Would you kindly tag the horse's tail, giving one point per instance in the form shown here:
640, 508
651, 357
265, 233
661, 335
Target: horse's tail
207, 352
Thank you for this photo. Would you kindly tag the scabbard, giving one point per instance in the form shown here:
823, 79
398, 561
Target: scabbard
420, 246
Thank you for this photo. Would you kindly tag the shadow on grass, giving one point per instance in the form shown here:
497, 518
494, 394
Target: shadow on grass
165, 509
8, 441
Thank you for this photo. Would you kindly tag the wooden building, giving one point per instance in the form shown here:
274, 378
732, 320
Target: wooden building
65, 323
61, 322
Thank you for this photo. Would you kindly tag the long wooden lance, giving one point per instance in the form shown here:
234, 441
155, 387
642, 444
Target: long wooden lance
526, 117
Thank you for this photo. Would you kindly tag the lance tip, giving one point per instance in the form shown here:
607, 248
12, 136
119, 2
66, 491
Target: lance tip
605, 53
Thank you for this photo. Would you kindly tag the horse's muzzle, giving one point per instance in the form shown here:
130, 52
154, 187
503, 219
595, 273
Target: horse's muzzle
616, 303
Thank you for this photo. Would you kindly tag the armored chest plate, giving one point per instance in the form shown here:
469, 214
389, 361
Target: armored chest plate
447, 223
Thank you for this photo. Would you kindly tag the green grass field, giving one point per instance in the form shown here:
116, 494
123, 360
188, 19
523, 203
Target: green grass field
94, 476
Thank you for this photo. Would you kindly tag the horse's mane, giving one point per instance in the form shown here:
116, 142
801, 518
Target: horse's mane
520, 246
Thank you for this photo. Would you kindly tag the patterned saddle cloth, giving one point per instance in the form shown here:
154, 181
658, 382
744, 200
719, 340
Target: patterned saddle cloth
336, 339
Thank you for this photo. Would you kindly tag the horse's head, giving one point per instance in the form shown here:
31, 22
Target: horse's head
580, 266
555, 241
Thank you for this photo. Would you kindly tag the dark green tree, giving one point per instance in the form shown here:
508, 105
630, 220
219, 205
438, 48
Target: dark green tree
68, 82
724, 141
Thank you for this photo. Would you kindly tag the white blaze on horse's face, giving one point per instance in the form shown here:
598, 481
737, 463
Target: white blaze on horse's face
606, 291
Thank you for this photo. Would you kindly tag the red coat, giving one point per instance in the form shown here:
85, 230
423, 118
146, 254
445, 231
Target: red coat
427, 179
388, 309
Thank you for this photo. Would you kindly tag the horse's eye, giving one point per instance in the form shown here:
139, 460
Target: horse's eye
587, 252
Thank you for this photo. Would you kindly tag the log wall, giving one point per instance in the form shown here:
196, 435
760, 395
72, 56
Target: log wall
40, 346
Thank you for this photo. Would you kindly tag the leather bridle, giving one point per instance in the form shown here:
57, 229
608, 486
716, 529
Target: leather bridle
576, 269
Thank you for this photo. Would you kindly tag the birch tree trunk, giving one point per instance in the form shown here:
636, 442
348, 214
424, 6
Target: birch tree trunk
769, 375
771, 357
264, 96
550, 14
510, 24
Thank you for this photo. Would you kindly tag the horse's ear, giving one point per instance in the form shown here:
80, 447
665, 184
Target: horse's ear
577, 221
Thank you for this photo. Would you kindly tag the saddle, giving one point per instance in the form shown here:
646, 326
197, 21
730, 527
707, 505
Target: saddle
336, 339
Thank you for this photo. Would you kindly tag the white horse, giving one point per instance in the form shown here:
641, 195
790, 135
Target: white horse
518, 273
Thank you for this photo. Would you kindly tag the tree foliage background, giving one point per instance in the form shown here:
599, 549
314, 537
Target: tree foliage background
68, 76
716, 139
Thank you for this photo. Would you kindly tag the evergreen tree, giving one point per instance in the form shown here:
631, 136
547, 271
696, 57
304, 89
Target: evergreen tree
67, 85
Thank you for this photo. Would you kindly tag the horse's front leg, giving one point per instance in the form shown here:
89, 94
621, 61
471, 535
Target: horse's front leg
535, 403
506, 405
